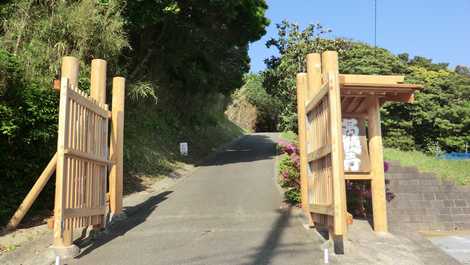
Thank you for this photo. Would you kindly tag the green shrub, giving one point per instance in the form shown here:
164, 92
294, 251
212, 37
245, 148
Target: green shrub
28, 128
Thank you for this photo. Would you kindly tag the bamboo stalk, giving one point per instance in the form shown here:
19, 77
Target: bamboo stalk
33, 194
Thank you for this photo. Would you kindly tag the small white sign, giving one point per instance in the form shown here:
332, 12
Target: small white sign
184, 149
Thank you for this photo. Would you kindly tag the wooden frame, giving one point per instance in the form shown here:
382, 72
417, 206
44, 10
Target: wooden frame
82, 159
324, 97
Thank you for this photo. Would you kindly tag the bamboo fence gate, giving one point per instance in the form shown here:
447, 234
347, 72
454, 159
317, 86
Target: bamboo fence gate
82, 162
89, 160
332, 113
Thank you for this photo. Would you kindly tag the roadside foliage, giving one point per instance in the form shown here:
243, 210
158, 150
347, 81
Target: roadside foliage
180, 59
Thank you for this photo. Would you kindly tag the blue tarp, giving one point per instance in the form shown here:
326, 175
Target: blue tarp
455, 156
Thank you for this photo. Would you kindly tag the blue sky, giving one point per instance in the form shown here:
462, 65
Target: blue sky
435, 29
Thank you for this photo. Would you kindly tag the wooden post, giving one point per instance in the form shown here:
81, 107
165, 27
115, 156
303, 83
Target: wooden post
69, 72
314, 84
33, 194
377, 166
313, 74
301, 119
98, 80
98, 92
117, 141
331, 75
70, 69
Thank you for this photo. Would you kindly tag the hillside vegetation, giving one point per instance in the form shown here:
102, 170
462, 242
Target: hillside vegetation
180, 58
440, 115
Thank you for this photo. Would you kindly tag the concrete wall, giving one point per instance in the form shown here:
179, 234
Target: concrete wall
422, 202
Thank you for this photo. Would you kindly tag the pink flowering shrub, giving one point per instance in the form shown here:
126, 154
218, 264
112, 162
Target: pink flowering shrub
289, 171
359, 196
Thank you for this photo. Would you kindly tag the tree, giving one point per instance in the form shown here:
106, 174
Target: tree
463, 70
440, 115
293, 45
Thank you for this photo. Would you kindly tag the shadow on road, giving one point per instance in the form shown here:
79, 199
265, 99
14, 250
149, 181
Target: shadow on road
262, 254
137, 215
268, 250
243, 151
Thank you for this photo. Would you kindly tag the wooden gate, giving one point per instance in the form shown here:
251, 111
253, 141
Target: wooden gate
325, 190
82, 161
332, 113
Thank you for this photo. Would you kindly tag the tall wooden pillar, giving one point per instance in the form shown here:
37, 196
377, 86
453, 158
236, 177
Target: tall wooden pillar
330, 72
98, 92
314, 81
63, 241
116, 148
301, 119
98, 80
377, 166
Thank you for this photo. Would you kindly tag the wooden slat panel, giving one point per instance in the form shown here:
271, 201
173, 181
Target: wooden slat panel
85, 160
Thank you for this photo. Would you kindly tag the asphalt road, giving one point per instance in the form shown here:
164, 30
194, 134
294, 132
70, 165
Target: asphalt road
457, 246
229, 211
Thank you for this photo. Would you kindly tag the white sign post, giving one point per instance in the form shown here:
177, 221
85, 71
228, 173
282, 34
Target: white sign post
184, 149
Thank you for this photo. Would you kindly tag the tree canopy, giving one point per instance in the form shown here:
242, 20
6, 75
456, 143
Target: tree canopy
439, 116
183, 53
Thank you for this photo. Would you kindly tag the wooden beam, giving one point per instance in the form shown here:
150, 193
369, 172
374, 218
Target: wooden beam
354, 176
82, 212
117, 142
319, 153
317, 98
33, 194
362, 108
302, 127
88, 104
87, 156
371, 79
361, 115
377, 167
356, 101
347, 101
322, 209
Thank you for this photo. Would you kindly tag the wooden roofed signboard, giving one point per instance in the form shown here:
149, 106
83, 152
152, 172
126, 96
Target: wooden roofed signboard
340, 139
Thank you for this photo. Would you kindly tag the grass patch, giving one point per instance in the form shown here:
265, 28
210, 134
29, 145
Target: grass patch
456, 170
152, 137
